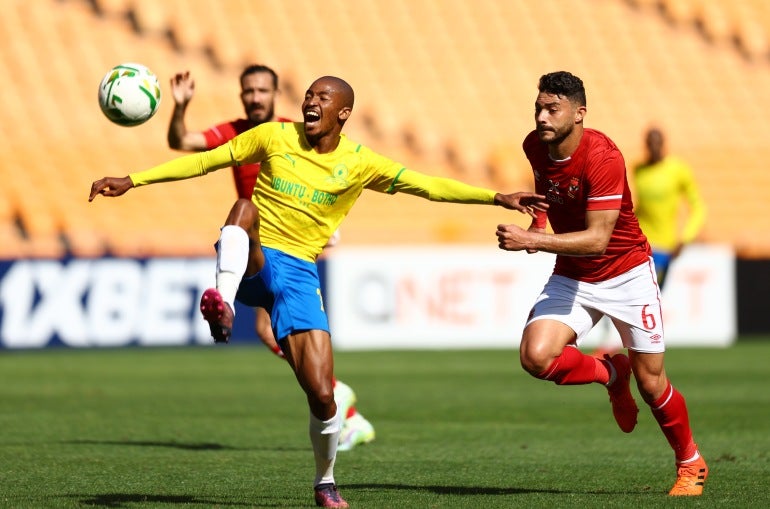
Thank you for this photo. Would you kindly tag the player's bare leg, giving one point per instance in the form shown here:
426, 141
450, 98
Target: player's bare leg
548, 352
309, 353
542, 343
355, 428
264, 329
670, 410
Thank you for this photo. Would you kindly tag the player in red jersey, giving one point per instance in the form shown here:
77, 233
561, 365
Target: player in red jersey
603, 267
259, 86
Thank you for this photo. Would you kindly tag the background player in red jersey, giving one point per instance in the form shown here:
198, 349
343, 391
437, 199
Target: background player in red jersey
259, 86
603, 267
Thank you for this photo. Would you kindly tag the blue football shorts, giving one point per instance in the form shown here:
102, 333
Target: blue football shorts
662, 261
289, 289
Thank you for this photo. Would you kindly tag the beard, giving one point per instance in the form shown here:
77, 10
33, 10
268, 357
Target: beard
554, 135
260, 114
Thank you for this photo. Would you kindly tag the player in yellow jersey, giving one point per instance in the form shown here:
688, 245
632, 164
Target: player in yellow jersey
311, 175
259, 88
662, 184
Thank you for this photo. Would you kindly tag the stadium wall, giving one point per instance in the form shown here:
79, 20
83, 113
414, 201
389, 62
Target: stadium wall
378, 298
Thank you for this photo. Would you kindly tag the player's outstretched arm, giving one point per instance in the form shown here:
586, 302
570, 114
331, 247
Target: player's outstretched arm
185, 167
454, 191
524, 202
110, 186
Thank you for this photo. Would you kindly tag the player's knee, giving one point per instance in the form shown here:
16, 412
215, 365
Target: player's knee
244, 214
535, 359
322, 395
319, 389
651, 379
244, 205
651, 386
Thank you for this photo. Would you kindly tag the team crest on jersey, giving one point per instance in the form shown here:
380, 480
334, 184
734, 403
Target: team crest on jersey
339, 176
574, 187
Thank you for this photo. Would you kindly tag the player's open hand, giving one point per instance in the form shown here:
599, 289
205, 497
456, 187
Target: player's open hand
182, 87
110, 186
524, 202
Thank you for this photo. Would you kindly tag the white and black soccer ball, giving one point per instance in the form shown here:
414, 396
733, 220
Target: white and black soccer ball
129, 94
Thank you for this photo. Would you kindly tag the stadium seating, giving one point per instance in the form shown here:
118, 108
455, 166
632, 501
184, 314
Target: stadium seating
444, 86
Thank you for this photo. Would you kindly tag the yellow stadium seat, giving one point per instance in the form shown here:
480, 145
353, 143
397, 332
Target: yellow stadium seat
443, 86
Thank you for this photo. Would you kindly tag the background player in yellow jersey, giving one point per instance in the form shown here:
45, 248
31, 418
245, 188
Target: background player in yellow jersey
259, 88
662, 185
311, 176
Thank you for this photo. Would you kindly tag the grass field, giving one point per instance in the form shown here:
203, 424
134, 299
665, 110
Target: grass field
227, 427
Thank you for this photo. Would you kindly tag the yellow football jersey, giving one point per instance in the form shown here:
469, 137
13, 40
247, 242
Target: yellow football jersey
660, 190
302, 196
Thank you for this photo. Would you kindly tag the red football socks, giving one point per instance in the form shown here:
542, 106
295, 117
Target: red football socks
573, 367
670, 410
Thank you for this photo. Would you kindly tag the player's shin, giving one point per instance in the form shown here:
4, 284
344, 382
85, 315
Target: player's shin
670, 410
572, 367
232, 259
324, 436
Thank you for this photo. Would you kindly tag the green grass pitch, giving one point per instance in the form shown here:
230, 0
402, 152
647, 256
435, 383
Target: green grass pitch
226, 427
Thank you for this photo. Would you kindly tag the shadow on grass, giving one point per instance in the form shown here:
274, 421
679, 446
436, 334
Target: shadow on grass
187, 446
118, 500
481, 490
121, 500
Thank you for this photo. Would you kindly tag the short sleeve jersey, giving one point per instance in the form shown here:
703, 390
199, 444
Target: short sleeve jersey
244, 176
303, 196
660, 190
593, 178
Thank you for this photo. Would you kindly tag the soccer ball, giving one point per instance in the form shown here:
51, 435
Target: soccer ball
129, 94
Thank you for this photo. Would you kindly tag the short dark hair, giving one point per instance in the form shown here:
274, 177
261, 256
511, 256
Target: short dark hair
255, 68
563, 83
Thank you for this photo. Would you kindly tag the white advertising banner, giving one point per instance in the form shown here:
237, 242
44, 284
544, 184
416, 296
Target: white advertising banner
479, 297
398, 297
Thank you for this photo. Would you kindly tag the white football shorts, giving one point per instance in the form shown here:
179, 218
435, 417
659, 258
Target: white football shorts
631, 300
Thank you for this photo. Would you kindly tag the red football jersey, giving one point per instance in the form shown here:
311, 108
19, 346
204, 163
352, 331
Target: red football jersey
245, 176
593, 178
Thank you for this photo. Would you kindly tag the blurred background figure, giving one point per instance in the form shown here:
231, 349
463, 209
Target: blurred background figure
663, 184
670, 209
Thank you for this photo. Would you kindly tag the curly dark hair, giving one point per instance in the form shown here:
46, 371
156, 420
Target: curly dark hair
255, 68
563, 83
